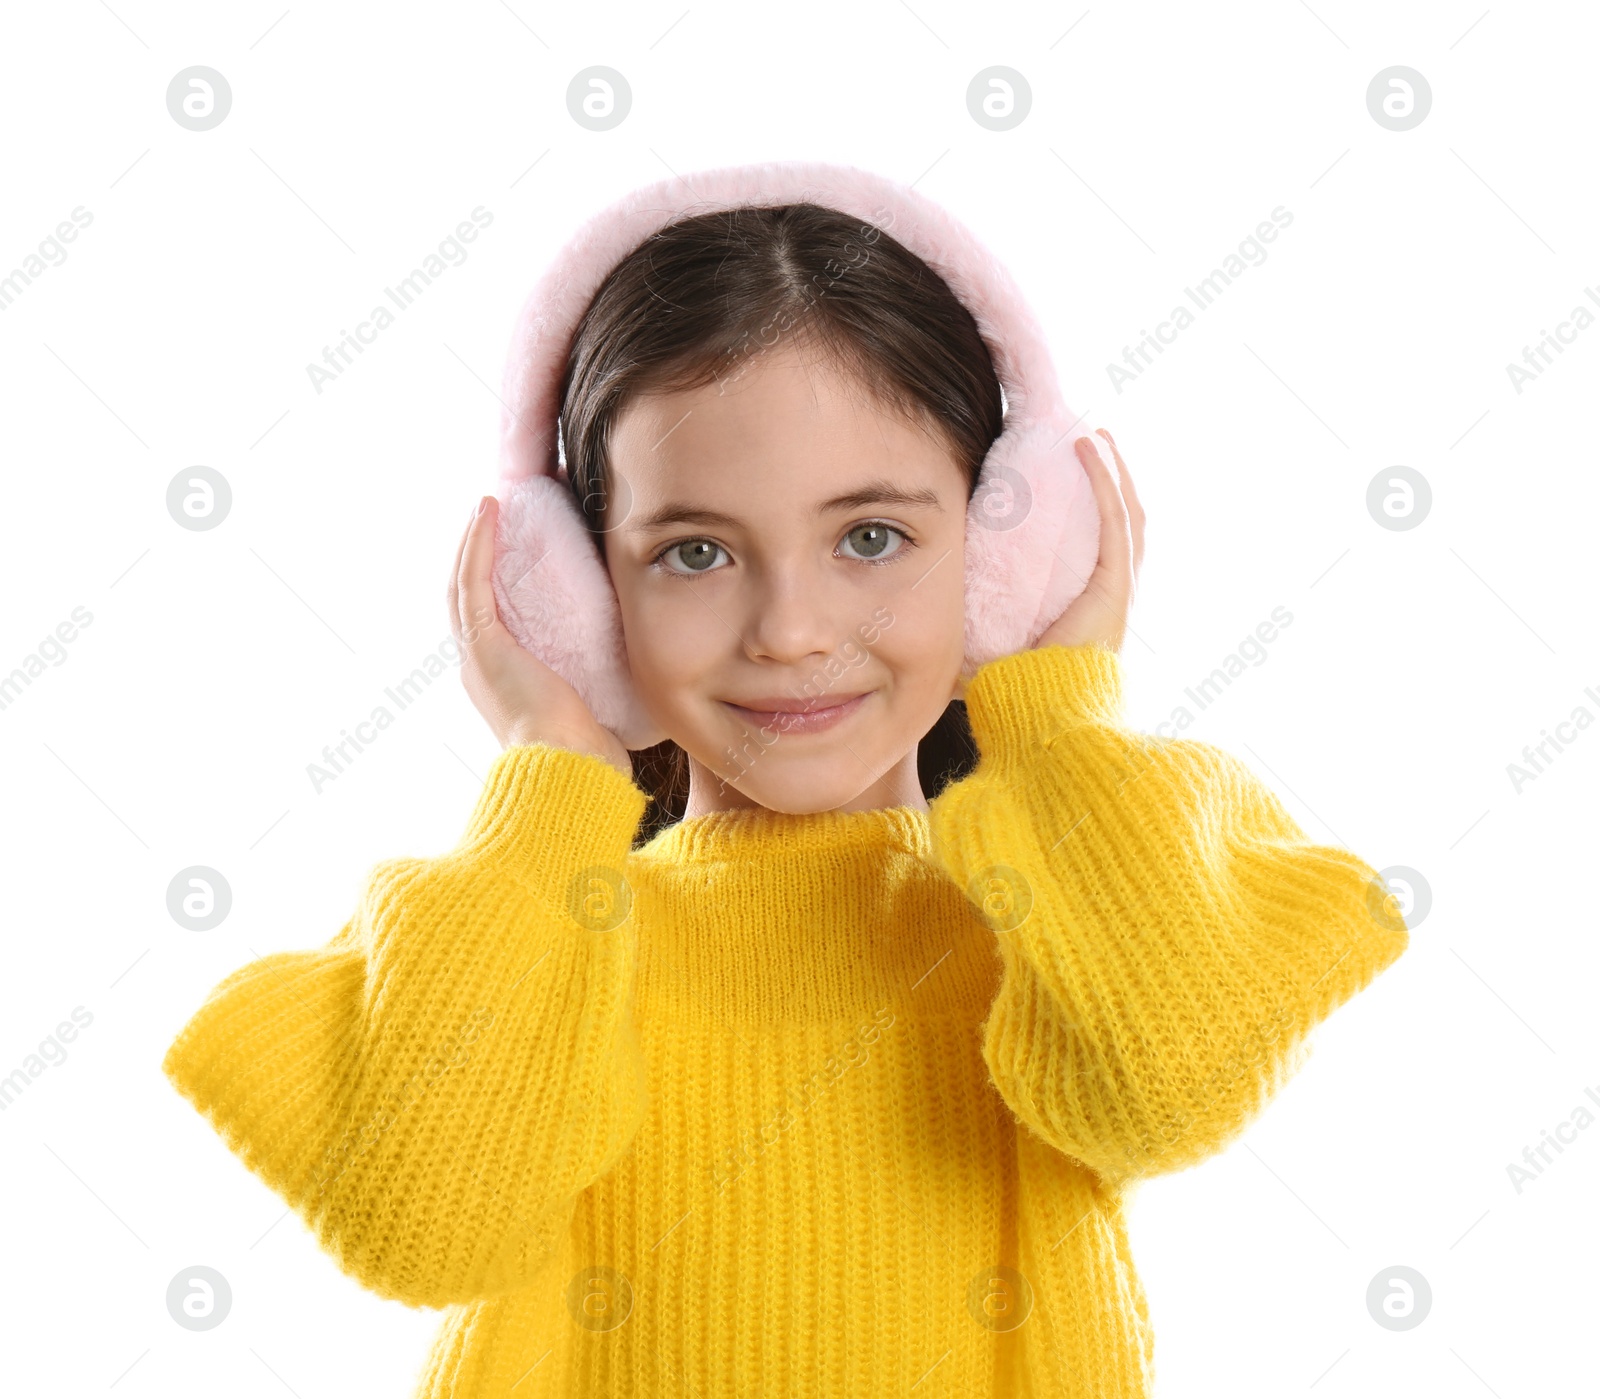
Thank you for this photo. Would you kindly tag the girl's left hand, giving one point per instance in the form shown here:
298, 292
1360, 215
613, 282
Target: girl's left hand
1100, 612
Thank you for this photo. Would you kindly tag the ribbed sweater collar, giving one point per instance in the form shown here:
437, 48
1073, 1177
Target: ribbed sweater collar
762, 917
756, 833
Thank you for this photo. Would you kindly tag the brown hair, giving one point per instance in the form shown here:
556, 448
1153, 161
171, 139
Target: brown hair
701, 297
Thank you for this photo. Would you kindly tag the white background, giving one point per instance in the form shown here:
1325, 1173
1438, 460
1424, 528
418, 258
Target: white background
218, 664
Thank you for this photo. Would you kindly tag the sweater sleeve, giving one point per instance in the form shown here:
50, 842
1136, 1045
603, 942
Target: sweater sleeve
432, 1088
1168, 936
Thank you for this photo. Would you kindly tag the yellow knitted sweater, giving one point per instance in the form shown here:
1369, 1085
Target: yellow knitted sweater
841, 1105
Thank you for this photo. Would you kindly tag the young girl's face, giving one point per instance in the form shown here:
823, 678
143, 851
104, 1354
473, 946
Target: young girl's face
779, 534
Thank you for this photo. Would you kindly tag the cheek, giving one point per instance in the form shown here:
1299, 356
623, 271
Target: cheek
923, 639
670, 636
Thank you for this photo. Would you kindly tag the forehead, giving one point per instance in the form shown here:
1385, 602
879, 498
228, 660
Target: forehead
788, 434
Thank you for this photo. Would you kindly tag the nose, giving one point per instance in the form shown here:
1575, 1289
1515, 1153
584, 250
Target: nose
789, 616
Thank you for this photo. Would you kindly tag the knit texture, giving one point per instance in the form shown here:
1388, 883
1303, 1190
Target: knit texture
830, 1105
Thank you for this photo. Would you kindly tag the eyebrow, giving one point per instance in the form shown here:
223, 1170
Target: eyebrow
877, 492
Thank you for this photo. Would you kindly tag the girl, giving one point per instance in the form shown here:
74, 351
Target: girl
812, 1085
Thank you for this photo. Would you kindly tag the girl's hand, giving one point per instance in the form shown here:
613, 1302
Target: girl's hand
1100, 612
522, 698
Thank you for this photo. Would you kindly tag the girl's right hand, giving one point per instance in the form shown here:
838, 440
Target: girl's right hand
523, 699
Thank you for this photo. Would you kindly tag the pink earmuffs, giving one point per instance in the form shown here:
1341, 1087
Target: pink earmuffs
1033, 530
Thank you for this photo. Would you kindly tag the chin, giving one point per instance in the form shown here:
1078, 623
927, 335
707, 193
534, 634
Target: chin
810, 785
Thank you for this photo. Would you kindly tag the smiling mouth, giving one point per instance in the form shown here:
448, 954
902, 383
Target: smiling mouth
798, 720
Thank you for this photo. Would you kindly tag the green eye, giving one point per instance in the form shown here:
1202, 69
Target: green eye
876, 541
696, 556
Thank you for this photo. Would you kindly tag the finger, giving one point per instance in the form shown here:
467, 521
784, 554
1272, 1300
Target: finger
1125, 477
1131, 497
1116, 543
1110, 586
477, 610
452, 591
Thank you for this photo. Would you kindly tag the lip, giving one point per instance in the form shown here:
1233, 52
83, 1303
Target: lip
797, 717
